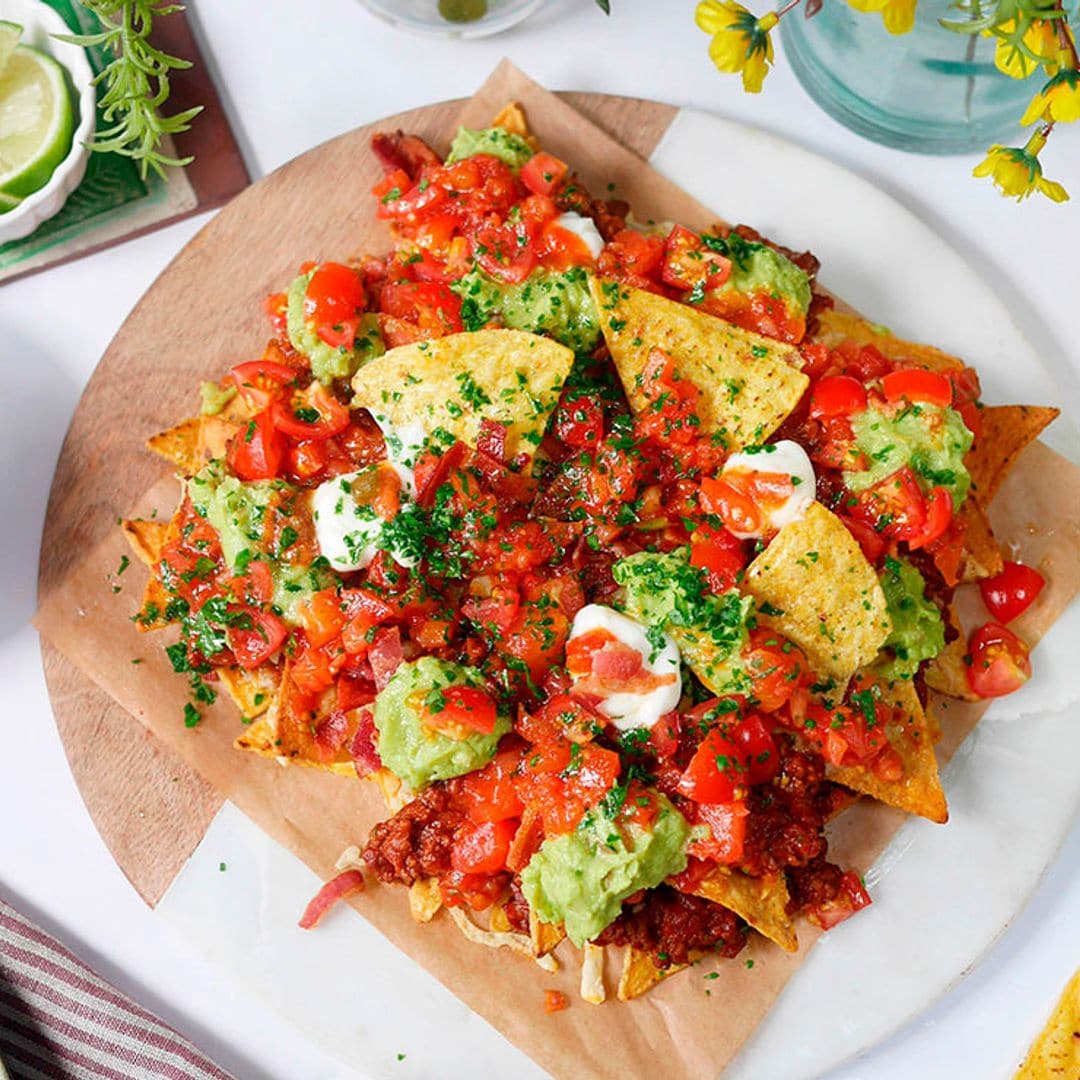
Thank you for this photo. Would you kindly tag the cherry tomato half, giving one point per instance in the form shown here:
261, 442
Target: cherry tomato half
1009, 594
915, 384
1000, 662
837, 395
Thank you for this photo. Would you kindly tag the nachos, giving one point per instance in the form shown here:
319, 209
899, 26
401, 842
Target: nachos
616, 555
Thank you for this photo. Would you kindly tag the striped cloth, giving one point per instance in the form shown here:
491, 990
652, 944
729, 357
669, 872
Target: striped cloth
59, 1021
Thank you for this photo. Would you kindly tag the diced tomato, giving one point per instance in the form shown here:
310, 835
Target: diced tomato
1009, 594
863, 361
817, 358
579, 421
321, 617
433, 307
837, 395
255, 585
632, 258
688, 263
715, 771
1000, 661
506, 252
664, 735
562, 780
307, 459
477, 891
917, 385
432, 470
543, 173
756, 749
555, 1001
489, 794
257, 450
852, 897
347, 883
737, 509
460, 710
971, 414
255, 639
261, 382
491, 440
312, 416
481, 848
727, 827
719, 554
332, 302
895, 508
313, 670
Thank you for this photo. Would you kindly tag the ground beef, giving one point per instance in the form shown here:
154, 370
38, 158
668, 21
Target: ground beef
415, 843
670, 925
787, 816
517, 907
812, 885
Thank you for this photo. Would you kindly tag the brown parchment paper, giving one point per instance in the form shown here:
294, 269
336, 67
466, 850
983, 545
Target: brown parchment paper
317, 815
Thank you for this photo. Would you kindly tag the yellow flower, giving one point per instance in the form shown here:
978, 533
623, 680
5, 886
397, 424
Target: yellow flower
1058, 100
1018, 172
897, 15
1018, 57
740, 40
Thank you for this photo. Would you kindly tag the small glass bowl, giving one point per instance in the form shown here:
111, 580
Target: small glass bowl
422, 17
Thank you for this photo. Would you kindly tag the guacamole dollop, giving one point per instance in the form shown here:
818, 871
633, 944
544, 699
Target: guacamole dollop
241, 513
582, 878
415, 752
918, 632
556, 304
930, 439
666, 592
496, 141
758, 268
327, 361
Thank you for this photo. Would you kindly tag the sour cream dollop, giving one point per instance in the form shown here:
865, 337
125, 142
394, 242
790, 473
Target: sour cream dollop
785, 458
347, 527
630, 698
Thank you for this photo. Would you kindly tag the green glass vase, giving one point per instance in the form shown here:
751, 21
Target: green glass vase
932, 90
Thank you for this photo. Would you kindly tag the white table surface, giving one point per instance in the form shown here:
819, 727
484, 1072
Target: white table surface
292, 75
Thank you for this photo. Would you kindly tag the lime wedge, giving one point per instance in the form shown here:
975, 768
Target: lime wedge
8, 202
9, 37
36, 120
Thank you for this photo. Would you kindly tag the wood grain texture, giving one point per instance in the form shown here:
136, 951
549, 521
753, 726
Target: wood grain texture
202, 315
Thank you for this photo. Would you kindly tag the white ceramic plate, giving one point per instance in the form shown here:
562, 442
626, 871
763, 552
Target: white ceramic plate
942, 895
40, 22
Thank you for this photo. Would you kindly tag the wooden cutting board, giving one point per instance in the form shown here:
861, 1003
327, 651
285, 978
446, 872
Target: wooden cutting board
201, 316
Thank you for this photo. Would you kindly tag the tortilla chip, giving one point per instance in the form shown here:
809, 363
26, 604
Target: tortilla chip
836, 327
592, 974
151, 613
760, 901
640, 974
214, 435
748, 384
518, 943
544, 936
180, 445
425, 899
1055, 1054
500, 921
982, 555
918, 791
289, 722
455, 382
146, 538
395, 794
1006, 430
252, 691
511, 117
821, 593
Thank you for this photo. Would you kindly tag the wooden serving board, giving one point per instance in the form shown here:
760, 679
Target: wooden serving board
201, 316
